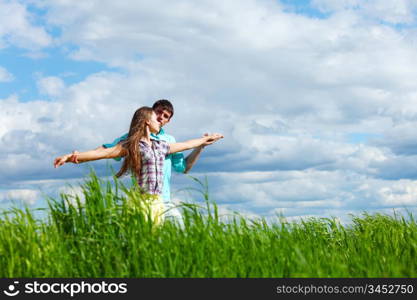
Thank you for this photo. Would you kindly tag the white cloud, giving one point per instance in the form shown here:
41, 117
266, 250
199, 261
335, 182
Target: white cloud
403, 192
27, 196
261, 61
51, 86
17, 29
5, 76
306, 193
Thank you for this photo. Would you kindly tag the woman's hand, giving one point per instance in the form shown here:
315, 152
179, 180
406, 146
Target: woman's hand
212, 138
190, 144
59, 161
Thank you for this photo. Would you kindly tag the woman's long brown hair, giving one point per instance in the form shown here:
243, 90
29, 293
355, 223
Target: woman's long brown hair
132, 160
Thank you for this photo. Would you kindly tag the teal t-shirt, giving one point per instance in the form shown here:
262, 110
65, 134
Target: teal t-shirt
174, 161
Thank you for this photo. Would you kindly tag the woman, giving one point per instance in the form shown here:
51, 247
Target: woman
144, 156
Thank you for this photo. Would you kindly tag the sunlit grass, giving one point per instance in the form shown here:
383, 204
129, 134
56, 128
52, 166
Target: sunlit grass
106, 235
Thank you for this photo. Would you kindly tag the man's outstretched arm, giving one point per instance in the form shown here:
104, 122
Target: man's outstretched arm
192, 158
184, 165
195, 155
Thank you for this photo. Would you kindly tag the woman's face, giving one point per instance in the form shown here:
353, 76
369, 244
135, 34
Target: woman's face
154, 125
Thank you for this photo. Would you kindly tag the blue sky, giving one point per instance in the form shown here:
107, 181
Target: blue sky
316, 99
55, 62
304, 7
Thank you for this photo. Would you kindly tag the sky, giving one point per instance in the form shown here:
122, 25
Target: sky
317, 99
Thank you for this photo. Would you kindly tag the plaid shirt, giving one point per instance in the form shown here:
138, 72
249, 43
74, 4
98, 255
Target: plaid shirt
153, 157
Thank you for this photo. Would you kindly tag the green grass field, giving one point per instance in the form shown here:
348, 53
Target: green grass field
108, 236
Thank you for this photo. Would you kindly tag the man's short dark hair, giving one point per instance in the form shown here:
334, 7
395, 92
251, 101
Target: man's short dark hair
165, 105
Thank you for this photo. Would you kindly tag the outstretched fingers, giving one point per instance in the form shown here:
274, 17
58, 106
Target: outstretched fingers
212, 138
59, 161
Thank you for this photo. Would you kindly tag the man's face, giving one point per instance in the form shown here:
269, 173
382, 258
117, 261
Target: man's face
163, 116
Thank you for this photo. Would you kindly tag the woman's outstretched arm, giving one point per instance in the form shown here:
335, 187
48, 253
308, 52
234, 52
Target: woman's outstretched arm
96, 154
205, 140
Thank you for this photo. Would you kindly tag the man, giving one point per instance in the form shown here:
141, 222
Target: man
164, 111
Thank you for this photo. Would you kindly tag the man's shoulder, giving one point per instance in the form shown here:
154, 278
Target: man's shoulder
166, 137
